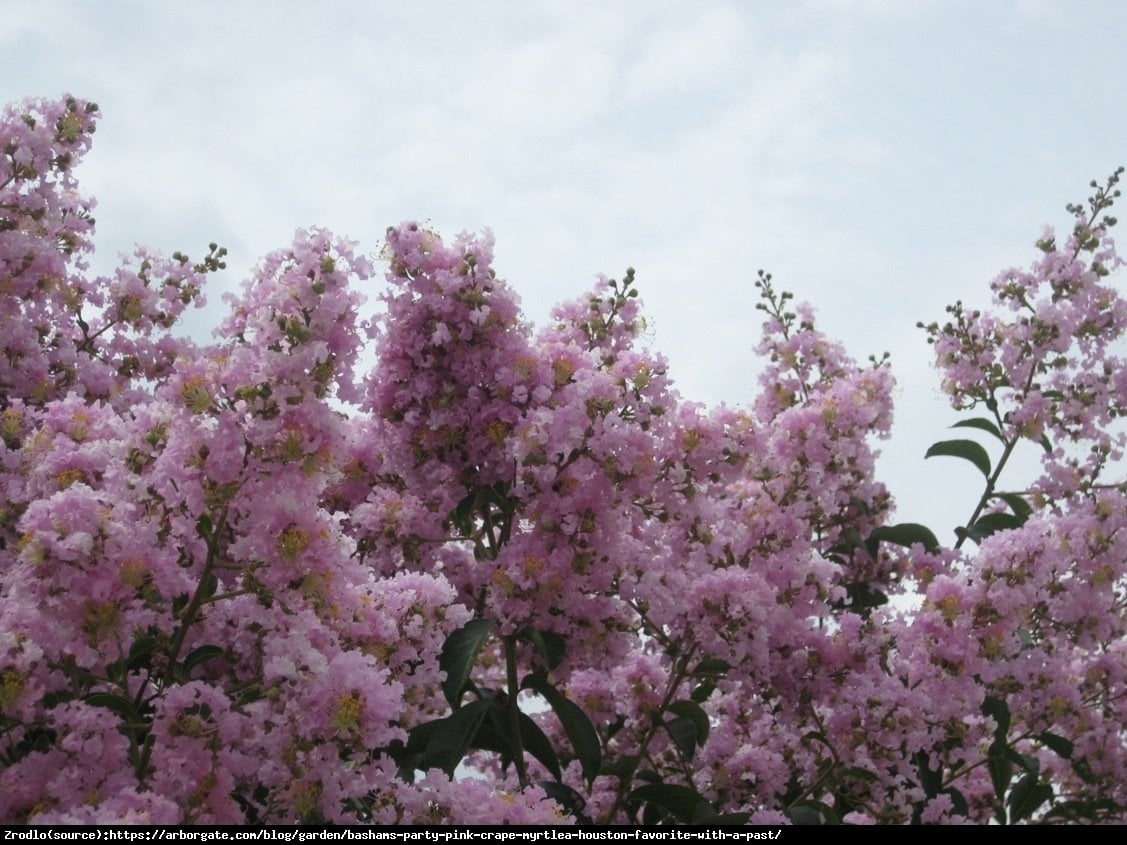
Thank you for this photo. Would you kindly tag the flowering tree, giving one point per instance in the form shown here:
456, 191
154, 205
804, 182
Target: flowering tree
511, 575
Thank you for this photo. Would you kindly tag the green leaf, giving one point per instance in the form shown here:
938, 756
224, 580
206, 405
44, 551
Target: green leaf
459, 653
711, 666
817, 736
1094, 810
570, 800
702, 691
539, 746
1084, 771
452, 737
1018, 505
813, 813
120, 705
581, 733
201, 655
409, 755
703, 812
681, 802
930, 779
551, 646
178, 604
1027, 796
830, 814
850, 539
1027, 761
695, 714
494, 734
623, 767
906, 534
116, 671
801, 814
141, 650
862, 596
497, 736
684, 735
203, 527
1045, 444
211, 585
968, 450
997, 709
463, 511
982, 424
992, 523
1057, 743
1001, 772
488, 738
723, 818
860, 774
958, 801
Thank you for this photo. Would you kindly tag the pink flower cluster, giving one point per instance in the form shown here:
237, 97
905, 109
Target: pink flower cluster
230, 575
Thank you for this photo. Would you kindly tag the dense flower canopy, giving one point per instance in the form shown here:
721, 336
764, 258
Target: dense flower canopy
510, 574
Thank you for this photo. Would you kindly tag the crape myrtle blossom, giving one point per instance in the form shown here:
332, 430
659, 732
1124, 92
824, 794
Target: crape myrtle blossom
1046, 363
68, 332
245, 582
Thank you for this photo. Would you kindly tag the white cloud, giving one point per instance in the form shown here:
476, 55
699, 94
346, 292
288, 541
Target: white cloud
882, 158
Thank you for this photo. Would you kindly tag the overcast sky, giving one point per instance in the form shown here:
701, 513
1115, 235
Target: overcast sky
881, 157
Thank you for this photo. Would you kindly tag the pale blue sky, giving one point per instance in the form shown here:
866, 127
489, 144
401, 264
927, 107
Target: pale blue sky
880, 158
